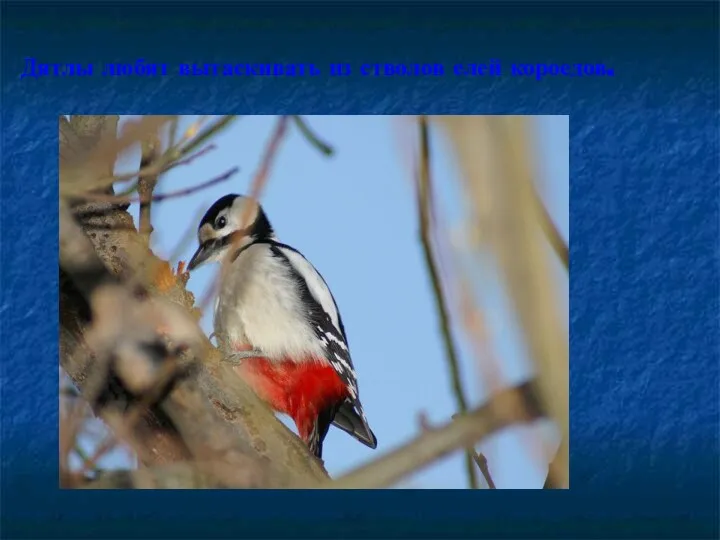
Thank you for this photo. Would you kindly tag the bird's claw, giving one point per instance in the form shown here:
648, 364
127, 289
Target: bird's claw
237, 358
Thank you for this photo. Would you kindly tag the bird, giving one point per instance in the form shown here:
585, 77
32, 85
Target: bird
276, 319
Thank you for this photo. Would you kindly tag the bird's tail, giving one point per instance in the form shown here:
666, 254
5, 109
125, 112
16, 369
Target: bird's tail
350, 421
314, 430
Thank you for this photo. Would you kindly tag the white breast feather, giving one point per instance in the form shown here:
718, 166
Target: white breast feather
261, 306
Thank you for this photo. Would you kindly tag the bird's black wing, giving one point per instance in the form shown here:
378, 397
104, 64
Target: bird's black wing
326, 321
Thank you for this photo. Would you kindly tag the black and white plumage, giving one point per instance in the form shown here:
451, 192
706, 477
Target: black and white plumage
274, 302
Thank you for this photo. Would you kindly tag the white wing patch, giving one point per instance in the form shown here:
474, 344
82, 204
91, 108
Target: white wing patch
346, 366
315, 284
327, 337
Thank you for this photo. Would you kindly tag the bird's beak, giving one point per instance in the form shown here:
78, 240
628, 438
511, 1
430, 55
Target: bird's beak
202, 254
210, 248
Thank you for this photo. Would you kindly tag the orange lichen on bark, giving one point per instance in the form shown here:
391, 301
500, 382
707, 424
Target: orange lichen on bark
166, 278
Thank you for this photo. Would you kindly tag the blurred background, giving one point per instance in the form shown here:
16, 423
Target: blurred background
355, 216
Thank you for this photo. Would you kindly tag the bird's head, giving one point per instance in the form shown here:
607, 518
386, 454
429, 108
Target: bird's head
222, 228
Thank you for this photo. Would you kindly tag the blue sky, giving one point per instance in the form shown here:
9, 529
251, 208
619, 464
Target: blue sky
353, 215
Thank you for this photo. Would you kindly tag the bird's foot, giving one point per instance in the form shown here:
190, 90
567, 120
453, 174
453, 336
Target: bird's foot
237, 358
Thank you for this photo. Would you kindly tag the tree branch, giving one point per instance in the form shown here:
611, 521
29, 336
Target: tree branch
513, 406
561, 250
313, 139
424, 188
158, 197
551, 233
482, 464
498, 176
146, 185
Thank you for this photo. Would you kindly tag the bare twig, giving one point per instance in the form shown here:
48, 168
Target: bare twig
192, 157
551, 233
513, 406
106, 446
205, 135
157, 197
266, 163
424, 187
146, 185
173, 157
424, 421
482, 464
84, 457
151, 170
311, 137
172, 132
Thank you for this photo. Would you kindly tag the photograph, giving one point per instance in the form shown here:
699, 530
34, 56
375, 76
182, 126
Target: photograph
314, 302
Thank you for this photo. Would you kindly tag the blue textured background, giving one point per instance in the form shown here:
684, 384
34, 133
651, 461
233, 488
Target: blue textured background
644, 223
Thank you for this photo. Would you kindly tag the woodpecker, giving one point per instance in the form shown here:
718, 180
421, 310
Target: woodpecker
276, 318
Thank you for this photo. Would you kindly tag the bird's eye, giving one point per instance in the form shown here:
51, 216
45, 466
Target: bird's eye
221, 222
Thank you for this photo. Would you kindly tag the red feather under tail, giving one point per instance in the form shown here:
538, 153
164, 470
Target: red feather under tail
302, 390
